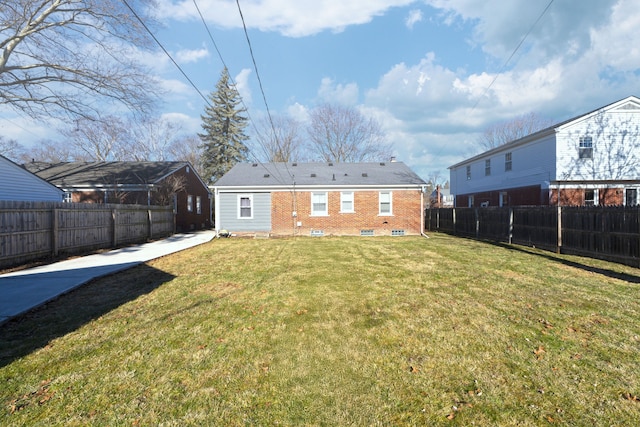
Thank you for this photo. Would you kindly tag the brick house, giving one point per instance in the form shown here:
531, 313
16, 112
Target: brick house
319, 199
592, 159
141, 183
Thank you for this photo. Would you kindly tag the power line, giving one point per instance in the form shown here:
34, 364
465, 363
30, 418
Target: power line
215, 45
513, 54
166, 52
264, 97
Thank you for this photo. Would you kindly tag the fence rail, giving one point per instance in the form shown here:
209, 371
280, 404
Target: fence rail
609, 233
34, 230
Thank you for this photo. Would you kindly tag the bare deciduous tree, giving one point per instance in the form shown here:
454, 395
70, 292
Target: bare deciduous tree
10, 149
187, 149
150, 139
70, 58
50, 151
98, 141
508, 131
343, 134
279, 139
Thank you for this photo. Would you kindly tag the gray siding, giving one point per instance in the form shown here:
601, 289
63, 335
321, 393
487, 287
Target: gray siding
229, 220
21, 185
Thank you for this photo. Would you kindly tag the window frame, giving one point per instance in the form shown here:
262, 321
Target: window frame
325, 196
585, 147
348, 197
240, 207
508, 161
487, 167
468, 172
591, 201
382, 203
198, 205
627, 193
189, 203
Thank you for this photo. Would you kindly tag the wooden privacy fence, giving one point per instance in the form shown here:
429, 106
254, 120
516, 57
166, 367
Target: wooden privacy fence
609, 233
33, 230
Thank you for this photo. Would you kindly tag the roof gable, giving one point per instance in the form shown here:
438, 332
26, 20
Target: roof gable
319, 174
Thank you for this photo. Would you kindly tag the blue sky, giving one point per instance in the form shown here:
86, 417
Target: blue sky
423, 69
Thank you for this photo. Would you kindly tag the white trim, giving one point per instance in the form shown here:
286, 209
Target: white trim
390, 213
350, 199
312, 212
239, 212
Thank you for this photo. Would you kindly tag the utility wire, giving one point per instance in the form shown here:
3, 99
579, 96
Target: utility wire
215, 45
264, 97
513, 54
166, 52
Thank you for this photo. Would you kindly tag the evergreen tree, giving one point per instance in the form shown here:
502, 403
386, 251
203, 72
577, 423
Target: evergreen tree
223, 139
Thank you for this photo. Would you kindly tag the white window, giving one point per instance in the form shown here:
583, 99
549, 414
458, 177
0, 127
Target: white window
245, 206
585, 150
590, 197
319, 204
189, 203
68, 197
346, 202
507, 162
470, 201
468, 172
384, 199
487, 167
198, 204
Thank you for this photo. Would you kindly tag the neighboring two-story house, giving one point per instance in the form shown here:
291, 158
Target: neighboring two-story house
592, 159
174, 184
316, 199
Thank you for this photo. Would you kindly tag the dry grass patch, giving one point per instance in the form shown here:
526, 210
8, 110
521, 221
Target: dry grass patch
334, 331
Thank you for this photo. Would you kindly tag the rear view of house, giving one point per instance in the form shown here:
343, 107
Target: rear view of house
319, 199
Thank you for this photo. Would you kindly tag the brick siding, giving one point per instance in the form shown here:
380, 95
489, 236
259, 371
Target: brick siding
406, 214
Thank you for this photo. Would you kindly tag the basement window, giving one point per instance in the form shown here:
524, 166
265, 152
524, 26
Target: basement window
366, 232
397, 232
317, 233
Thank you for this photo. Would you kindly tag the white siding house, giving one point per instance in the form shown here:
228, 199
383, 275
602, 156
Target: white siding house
592, 159
18, 184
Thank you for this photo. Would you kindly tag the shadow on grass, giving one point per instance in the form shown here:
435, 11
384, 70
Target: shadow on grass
34, 329
557, 258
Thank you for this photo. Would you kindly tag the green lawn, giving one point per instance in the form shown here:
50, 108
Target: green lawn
334, 332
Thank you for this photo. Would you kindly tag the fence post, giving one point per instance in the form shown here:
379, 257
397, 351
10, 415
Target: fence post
477, 223
559, 239
454, 221
54, 233
114, 222
150, 225
510, 225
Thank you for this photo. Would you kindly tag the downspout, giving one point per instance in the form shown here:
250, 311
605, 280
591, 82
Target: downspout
216, 207
422, 233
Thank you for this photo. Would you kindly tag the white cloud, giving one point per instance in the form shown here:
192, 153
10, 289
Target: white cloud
191, 55
414, 17
331, 92
292, 18
242, 84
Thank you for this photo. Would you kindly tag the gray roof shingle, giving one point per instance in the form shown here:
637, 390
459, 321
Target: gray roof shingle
103, 173
323, 174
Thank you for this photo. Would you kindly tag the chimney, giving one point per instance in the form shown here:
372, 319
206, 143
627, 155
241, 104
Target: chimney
393, 159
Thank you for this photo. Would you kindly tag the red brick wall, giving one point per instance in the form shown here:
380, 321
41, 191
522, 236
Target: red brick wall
406, 209
575, 197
